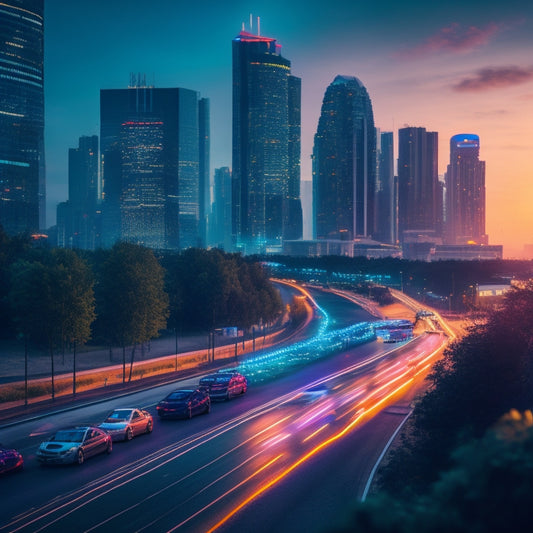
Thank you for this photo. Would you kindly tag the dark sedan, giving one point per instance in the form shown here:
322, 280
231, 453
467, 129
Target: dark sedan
10, 460
74, 445
126, 423
184, 403
224, 385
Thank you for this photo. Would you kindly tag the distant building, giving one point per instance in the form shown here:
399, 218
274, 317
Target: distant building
344, 162
419, 207
349, 248
22, 169
266, 153
204, 197
77, 222
151, 145
220, 226
386, 204
465, 192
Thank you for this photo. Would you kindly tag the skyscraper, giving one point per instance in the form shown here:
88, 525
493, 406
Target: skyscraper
344, 162
465, 192
204, 197
386, 204
76, 219
266, 122
220, 229
150, 145
22, 171
418, 189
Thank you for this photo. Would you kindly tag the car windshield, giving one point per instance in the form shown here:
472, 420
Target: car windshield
119, 415
179, 395
224, 378
69, 436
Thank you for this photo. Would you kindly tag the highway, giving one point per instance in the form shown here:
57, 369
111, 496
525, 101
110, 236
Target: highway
291, 454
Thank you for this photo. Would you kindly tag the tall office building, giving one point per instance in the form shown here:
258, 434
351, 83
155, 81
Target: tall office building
418, 188
204, 197
465, 192
266, 145
77, 218
220, 228
150, 145
386, 204
22, 171
344, 162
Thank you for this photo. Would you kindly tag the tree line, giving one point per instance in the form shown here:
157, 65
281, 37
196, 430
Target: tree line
465, 462
59, 299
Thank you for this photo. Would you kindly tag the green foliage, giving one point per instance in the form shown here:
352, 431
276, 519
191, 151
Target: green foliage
132, 303
209, 289
486, 488
52, 300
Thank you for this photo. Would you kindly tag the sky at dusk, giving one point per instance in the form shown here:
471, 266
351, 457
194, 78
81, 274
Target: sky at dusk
451, 67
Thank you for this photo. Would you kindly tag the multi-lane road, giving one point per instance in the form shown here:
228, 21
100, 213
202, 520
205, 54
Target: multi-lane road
291, 455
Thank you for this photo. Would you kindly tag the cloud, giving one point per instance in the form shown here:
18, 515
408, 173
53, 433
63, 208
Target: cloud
454, 38
494, 78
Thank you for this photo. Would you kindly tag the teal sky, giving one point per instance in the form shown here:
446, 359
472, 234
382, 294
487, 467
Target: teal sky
452, 67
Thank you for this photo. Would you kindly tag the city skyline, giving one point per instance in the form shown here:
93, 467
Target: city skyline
451, 69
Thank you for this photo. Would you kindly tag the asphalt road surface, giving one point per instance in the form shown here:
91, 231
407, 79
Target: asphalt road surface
290, 455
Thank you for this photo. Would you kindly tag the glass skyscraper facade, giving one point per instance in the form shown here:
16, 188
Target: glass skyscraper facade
150, 145
77, 220
22, 170
419, 205
386, 205
344, 163
465, 192
266, 147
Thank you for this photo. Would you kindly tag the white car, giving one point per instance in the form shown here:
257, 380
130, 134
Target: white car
126, 423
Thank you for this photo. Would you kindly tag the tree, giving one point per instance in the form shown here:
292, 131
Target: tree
53, 301
132, 303
486, 488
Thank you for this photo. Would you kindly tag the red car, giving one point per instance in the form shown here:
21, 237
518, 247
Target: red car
10, 460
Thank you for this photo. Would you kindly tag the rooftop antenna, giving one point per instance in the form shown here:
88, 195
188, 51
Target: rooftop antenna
242, 27
251, 24
258, 26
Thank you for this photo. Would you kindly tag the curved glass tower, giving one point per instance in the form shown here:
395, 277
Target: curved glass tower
344, 162
22, 185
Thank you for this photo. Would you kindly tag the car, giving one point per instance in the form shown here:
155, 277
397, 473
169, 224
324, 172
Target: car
74, 445
126, 423
224, 385
184, 403
10, 460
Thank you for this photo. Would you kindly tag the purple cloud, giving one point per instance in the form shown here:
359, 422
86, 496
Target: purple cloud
453, 38
493, 78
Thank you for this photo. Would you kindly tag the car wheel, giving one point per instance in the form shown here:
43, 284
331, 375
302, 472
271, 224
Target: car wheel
129, 434
149, 427
109, 447
189, 413
208, 408
80, 458
227, 396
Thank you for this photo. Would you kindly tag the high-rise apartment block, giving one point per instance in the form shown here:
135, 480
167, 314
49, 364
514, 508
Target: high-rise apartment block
419, 206
77, 221
465, 192
344, 163
266, 146
151, 141
22, 170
